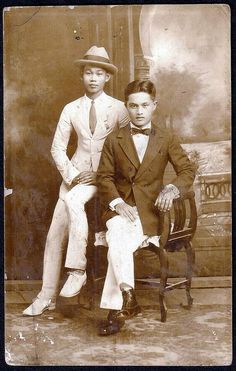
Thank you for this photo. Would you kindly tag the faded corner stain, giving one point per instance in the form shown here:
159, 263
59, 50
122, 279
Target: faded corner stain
28, 19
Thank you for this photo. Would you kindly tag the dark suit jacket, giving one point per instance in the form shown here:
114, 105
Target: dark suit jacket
120, 173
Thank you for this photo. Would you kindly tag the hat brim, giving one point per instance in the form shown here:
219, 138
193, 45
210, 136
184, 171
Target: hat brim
106, 66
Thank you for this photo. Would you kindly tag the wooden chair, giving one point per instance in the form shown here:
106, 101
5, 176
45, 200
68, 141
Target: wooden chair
177, 230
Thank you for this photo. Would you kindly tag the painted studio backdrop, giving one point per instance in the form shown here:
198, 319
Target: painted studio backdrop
179, 47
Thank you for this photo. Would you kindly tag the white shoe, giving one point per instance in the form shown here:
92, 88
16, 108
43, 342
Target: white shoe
38, 307
73, 284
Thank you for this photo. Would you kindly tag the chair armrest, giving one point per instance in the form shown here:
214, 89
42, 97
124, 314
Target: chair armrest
179, 211
187, 195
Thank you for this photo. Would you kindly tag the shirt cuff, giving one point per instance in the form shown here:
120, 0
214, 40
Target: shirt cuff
115, 202
172, 188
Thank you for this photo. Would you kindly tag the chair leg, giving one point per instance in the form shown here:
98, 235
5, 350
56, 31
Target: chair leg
190, 264
91, 289
91, 304
164, 265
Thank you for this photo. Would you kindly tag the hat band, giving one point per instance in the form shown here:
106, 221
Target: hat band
96, 58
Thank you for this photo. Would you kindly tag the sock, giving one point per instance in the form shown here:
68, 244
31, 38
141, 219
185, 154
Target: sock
125, 287
77, 271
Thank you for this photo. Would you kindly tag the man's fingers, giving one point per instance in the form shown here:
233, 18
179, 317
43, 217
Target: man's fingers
123, 213
160, 200
134, 214
126, 211
170, 201
84, 174
161, 205
86, 178
86, 181
127, 216
131, 215
164, 202
76, 180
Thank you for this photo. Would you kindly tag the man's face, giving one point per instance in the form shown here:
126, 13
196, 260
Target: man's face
94, 79
140, 107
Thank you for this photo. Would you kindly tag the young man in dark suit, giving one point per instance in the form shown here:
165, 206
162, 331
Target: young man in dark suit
130, 184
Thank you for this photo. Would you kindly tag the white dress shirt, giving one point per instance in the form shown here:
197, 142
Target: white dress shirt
141, 141
98, 105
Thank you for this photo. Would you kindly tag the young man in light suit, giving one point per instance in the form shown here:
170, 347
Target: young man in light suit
93, 117
130, 184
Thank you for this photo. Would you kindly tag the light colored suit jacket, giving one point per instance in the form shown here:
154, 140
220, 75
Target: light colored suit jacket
89, 147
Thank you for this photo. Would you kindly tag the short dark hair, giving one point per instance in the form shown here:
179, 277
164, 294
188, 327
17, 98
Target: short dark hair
137, 86
82, 67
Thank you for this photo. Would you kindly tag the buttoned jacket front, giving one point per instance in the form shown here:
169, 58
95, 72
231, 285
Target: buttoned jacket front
120, 173
89, 146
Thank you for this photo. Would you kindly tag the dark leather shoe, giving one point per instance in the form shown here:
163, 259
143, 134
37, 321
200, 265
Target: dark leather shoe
129, 309
110, 327
113, 314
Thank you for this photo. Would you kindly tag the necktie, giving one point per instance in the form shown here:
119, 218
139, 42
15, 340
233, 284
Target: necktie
92, 117
140, 131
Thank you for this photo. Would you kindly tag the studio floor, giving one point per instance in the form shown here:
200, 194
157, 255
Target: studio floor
201, 336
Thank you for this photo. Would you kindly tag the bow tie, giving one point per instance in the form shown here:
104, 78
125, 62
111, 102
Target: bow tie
140, 131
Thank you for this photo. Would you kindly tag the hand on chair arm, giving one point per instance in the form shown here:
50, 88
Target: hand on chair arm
166, 196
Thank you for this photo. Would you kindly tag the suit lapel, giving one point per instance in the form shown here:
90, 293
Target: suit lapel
81, 116
127, 145
105, 124
156, 140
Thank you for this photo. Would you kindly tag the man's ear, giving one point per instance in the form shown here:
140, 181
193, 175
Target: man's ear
155, 103
108, 76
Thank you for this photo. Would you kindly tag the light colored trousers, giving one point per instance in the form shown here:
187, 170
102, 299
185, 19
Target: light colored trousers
123, 238
69, 222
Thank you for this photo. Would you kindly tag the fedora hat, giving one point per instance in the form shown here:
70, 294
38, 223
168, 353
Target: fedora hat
97, 57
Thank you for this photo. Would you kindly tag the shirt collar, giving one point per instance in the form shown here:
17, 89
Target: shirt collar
101, 97
147, 126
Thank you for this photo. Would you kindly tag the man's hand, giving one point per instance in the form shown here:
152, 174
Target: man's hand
126, 211
86, 177
165, 199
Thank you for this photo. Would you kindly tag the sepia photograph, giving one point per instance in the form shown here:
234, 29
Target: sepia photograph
117, 185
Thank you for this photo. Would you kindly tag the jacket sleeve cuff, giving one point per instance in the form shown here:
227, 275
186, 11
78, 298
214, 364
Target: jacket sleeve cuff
73, 173
115, 202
